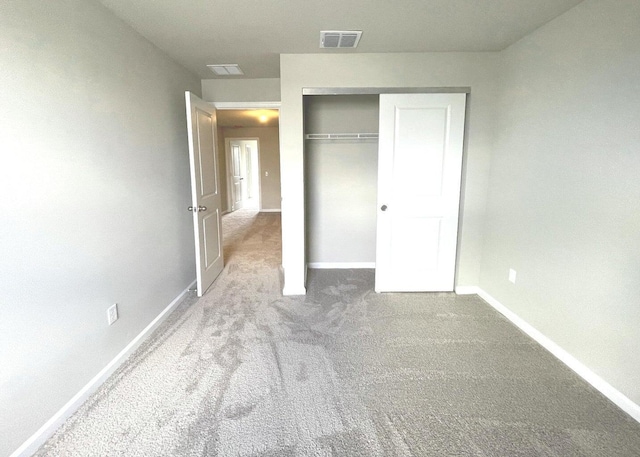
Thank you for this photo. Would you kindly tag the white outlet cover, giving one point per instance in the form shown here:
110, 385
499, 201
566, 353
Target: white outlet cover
512, 275
112, 313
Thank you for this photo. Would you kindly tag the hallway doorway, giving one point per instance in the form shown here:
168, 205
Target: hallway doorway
243, 158
249, 157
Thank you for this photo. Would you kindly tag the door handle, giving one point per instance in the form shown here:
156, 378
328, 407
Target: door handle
196, 210
383, 208
202, 208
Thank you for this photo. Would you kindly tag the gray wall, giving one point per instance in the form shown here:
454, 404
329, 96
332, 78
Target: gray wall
563, 202
241, 90
94, 184
341, 180
269, 148
479, 71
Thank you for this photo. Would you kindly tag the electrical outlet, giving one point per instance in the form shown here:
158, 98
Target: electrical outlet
112, 313
512, 275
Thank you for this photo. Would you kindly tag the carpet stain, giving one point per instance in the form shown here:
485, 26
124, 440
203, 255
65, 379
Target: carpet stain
236, 412
303, 373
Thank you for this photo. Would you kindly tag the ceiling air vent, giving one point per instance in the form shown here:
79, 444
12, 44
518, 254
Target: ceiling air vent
229, 69
340, 39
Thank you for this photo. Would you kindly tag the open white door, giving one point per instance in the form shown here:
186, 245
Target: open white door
236, 175
205, 191
419, 173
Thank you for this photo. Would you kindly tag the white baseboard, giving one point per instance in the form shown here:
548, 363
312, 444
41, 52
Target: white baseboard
613, 394
270, 210
30, 446
341, 265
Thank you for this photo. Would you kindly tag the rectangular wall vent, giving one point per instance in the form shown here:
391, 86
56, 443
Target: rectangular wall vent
229, 69
340, 39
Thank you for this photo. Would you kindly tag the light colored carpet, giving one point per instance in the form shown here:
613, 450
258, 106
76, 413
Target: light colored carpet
341, 372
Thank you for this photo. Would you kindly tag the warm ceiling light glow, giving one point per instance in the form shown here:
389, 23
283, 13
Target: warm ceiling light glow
262, 116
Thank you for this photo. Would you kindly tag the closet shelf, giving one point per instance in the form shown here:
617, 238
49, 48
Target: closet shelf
341, 136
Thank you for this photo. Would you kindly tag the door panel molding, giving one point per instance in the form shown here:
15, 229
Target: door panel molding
419, 184
205, 190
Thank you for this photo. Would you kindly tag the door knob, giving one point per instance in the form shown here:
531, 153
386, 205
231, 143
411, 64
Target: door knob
202, 208
196, 210
189, 208
383, 207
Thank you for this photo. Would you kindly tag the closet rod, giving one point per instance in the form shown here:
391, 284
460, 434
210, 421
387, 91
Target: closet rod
341, 136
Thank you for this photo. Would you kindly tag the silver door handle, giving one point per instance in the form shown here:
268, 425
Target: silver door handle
202, 208
196, 210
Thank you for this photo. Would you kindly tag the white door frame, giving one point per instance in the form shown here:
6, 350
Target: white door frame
229, 170
371, 90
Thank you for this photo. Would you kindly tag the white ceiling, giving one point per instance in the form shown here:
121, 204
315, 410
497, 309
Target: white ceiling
253, 33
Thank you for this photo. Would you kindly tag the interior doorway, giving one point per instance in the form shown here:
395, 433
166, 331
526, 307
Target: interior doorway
252, 180
243, 159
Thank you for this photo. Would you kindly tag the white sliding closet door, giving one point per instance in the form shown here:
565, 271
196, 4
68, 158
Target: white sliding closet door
419, 173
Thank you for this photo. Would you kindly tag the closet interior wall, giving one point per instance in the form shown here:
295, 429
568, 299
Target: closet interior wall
341, 181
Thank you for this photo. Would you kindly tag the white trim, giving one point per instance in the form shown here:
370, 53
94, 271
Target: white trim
294, 291
32, 444
383, 90
613, 394
246, 105
341, 265
467, 290
275, 210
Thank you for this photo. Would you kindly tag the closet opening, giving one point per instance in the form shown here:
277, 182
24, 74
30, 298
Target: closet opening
383, 185
341, 166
